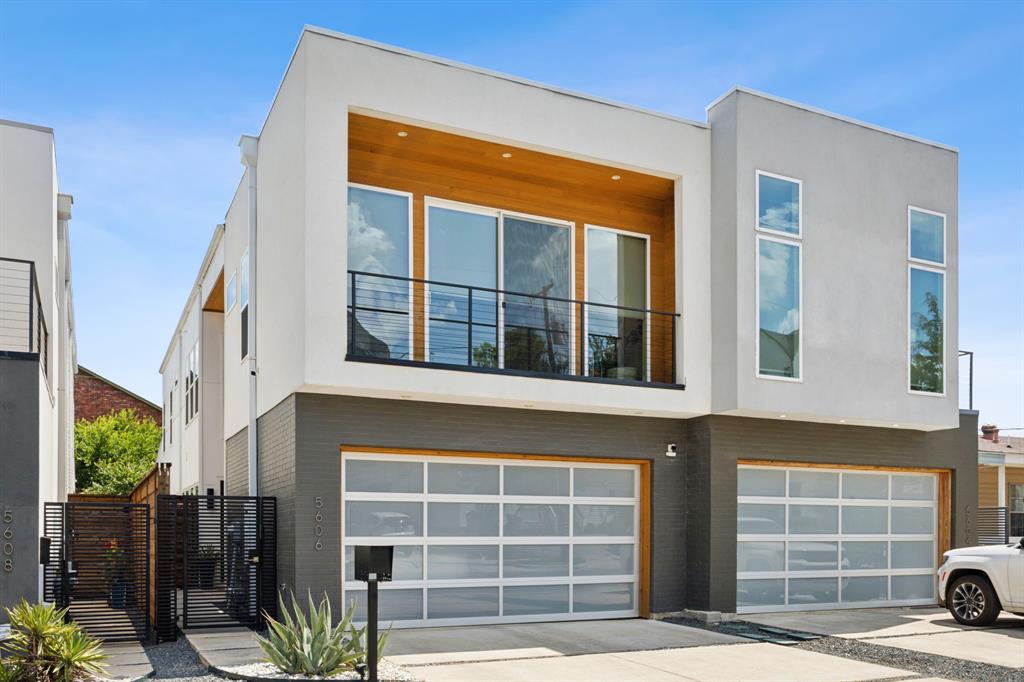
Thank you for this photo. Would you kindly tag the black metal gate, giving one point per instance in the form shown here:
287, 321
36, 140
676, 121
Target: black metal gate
99, 566
221, 552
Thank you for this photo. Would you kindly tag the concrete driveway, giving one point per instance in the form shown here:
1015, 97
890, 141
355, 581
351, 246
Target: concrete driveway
620, 650
929, 630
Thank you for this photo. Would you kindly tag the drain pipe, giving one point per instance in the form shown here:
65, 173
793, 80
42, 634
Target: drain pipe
249, 148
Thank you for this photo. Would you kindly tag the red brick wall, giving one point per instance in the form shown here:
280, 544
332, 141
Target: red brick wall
95, 398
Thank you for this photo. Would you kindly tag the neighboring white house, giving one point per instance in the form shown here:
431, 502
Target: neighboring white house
37, 352
576, 359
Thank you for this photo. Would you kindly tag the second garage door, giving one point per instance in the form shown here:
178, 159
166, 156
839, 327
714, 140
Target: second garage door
489, 541
812, 538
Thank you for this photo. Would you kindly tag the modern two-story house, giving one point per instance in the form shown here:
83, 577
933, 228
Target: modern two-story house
37, 353
576, 359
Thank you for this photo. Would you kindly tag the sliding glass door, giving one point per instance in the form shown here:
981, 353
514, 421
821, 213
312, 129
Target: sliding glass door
616, 321
538, 330
474, 251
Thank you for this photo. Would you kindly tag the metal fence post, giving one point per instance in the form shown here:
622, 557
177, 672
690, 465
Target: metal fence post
469, 327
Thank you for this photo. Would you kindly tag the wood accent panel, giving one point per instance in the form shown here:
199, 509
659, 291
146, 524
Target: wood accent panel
215, 301
644, 588
944, 533
432, 163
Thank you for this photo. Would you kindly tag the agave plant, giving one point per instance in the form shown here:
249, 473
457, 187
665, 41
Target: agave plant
43, 647
309, 646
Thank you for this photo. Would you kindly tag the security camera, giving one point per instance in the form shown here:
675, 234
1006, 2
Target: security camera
670, 450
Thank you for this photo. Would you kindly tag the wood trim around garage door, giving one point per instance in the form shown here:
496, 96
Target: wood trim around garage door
944, 503
644, 591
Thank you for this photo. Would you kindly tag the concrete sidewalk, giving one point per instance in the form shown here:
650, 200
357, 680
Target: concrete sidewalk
127, 661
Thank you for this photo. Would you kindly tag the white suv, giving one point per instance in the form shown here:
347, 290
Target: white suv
976, 583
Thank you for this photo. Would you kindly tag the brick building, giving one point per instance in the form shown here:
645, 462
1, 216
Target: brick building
96, 396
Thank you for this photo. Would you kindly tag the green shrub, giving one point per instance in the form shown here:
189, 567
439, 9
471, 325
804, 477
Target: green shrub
313, 646
43, 648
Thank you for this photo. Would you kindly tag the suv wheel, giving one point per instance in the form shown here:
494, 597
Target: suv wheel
972, 601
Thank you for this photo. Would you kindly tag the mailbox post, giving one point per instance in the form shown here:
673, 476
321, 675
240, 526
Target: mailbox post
373, 565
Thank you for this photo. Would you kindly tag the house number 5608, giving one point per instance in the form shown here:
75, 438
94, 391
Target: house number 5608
318, 529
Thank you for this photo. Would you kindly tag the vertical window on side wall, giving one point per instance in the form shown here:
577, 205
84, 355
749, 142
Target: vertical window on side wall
926, 293
230, 293
379, 293
243, 302
779, 276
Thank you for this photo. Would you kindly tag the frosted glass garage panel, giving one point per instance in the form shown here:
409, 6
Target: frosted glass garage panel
859, 520
768, 592
528, 561
462, 519
462, 562
761, 482
865, 556
810, 591
813, 484
865, 486
603, 483
462, 602
754, 557
383, 476
813, 519
913, 487
761, 519
913, 586
400, 604
602, 520
919, 554
536, 481
407, 563
865, 588
913, 520
525, 600
538, 520
602, 560
602, 597
463, 479
813, 556
383, 519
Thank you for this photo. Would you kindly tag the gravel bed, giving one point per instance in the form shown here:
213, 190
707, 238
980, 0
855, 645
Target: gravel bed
177, 661
926, 664
386, 671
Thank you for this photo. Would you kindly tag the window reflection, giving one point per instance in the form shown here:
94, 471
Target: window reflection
779, 308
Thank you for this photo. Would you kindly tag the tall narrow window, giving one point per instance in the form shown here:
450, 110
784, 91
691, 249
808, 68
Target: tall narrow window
926, 286
380, 295
243, 302
779, 293
192, 385
616, 324
230, 293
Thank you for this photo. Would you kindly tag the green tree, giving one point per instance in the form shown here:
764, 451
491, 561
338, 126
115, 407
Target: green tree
114, 452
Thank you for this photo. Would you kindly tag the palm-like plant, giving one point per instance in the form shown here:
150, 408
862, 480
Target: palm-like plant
311, 645
43, 647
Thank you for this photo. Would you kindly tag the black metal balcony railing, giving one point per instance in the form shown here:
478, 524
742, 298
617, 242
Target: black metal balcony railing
491, 330
22, 324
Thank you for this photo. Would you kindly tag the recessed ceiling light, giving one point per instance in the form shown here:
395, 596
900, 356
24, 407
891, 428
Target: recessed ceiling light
842, 421
895, 426
403, 133
507, 155
782, 416
616, 177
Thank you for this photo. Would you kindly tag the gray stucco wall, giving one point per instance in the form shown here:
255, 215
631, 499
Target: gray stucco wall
19, 479
712, 505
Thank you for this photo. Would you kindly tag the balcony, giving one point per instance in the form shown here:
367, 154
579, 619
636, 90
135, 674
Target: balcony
442, 325
22, 325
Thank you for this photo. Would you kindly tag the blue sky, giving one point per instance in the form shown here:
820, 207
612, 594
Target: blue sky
148, 101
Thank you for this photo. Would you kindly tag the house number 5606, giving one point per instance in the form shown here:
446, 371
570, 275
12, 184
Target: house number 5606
318, 529
8, 546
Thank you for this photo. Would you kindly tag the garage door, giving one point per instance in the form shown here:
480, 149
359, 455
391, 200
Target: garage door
812, 538
489, 541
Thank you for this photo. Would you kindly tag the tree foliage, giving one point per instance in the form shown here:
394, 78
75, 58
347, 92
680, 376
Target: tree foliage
114, 452
926, 350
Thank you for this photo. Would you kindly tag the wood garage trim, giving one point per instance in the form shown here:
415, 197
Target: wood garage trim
644, 572
944, 498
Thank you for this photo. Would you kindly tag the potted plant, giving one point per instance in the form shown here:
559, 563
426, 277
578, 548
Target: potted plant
205, 565
115, 572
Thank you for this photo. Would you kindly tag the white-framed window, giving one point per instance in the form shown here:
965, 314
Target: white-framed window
379, 264
779, 276
230, 293
243, 303
926, 301
486, 249
170, 416
192, 384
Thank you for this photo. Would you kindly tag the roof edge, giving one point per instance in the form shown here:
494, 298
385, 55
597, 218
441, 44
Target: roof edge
85, 370
308, 28
831, 114
218, 234
29, 126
